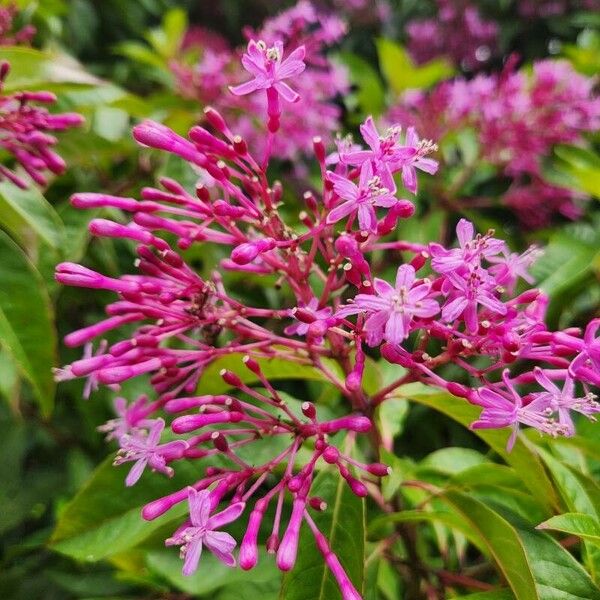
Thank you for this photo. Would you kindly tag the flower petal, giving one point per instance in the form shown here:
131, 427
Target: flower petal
231, 513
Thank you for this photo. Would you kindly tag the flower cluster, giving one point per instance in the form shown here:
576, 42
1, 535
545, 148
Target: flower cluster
458, 32
9, 36
24, 128
454, 307
518, 119
312, 105
550, 8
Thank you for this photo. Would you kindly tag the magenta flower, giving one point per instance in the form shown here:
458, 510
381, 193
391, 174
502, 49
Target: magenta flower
470, 291
504, 408
130, 417
508, 268
269, 69
384, 151
562, 402
361, 198
472, 249
393, 309
586, 364
200, 531
145, 451
413, 158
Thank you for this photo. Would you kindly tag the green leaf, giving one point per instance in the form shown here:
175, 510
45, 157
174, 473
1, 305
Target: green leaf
343, 524
523, 458
273, 369
501, 540
104, 518
31, 69
491, 595
402, 74
212, 574
26, 321
582, 525
369, 93
23, 212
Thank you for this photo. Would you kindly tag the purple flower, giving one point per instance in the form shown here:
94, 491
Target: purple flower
472, 249
469, 291
360, 199
200, 531
555, 400
586, 364
393, 309
270, 70
384, 151
413, 158
510, 266
145, 451
504, 408
130, 417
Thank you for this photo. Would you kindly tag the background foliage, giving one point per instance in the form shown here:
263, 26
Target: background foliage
488, 525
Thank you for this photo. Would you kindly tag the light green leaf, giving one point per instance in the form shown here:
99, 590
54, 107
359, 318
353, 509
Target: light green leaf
343, 524
273, 369
582, 525
104, 518
369, 93
502, 541
27, 212
402, 74
26, 321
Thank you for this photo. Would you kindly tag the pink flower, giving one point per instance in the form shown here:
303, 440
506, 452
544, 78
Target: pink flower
413, 158
201, 531
311, 312
360, 199
269, 69
145, 450
469, 291
562, 402
393, 309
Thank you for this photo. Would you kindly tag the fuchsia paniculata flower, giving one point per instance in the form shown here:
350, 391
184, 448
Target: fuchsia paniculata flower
24, 133
467, 307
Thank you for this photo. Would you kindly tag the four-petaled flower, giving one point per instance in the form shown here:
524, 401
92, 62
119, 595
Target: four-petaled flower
555, 400
269, 70
200, 531
469, 291
392, 309
144, 449
472, 248
361, 198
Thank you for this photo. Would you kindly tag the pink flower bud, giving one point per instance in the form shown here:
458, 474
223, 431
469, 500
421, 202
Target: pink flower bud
272, 543
219, 441
248, 251
352, 423
379, 469
317, 503
251, 364
249, 545
215, 119
189, 423
331, 455
309, 410
230, 378
288, 548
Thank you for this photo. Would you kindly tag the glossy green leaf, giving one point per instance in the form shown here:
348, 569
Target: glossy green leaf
26, 321
26, 214
343, 524
104, 518
523, 458
31, 69
502, 541
402, 74
273, 369
582, 525
212, 575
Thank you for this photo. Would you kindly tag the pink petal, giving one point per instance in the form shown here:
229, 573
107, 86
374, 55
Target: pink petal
199, 504
454, 309
367, 220
370, 134
343, 187
192, 557
409, 178
231, 513
341, 211
286, 92
465, 232
245, 88
136, 472
382, 287
221, 545
395, 332
405, 276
